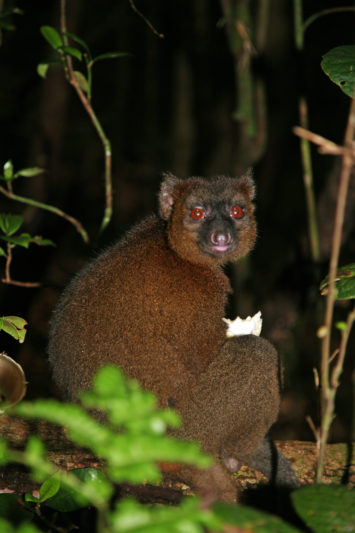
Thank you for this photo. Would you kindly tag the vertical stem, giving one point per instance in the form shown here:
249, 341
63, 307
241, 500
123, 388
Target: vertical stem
328, 390
305, 145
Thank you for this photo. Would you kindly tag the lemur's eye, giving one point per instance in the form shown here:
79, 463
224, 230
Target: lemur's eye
237, 211
197, 213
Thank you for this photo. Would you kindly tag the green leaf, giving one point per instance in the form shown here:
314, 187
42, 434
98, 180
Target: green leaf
2, 252
25, 239
70, 50
339, 65
7, 26
326, 508
29, 172
344, 283
8, 169
9, 224
49, 488
52, 36
42, 69
341, 326
82, 81
249, 519
109, 55
14, 326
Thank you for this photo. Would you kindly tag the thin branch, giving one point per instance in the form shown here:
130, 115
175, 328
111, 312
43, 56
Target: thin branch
8, 280
99, 129
29, 201
325, 145
148, 23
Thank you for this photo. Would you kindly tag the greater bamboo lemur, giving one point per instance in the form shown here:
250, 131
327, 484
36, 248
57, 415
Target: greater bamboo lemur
153, 304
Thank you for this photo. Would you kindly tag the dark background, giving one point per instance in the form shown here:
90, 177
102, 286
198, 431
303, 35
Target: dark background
169, 106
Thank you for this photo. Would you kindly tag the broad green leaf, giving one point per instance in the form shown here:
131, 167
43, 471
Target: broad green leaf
248, 519
29, 172
82, 81
326, 508
8, 169
339, 65
79, 41
70, 50
344, 283
109, 55
67, 499
42, 69
9, 224
52, 36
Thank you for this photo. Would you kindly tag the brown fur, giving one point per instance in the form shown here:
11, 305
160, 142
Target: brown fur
153, 304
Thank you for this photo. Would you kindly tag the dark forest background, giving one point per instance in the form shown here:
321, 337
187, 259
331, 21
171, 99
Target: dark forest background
169, 106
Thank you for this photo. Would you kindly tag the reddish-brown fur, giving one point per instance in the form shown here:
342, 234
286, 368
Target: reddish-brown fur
153, 304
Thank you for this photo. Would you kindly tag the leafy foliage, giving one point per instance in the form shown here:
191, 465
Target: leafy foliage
339, 65
81, 54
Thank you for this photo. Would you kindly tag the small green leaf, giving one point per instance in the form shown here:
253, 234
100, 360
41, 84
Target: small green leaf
8, 170
23, 240
82, 81
70, 50
52, 36
341, 326
9, 224
49, 488
29, 172
14, 326
2, 252
109, 55
31, 498
42, 69
339, 65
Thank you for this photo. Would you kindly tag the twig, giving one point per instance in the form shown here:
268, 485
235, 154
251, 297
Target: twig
329, 11
148, 23
325, 145
99, 129
78, 226
8, 280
